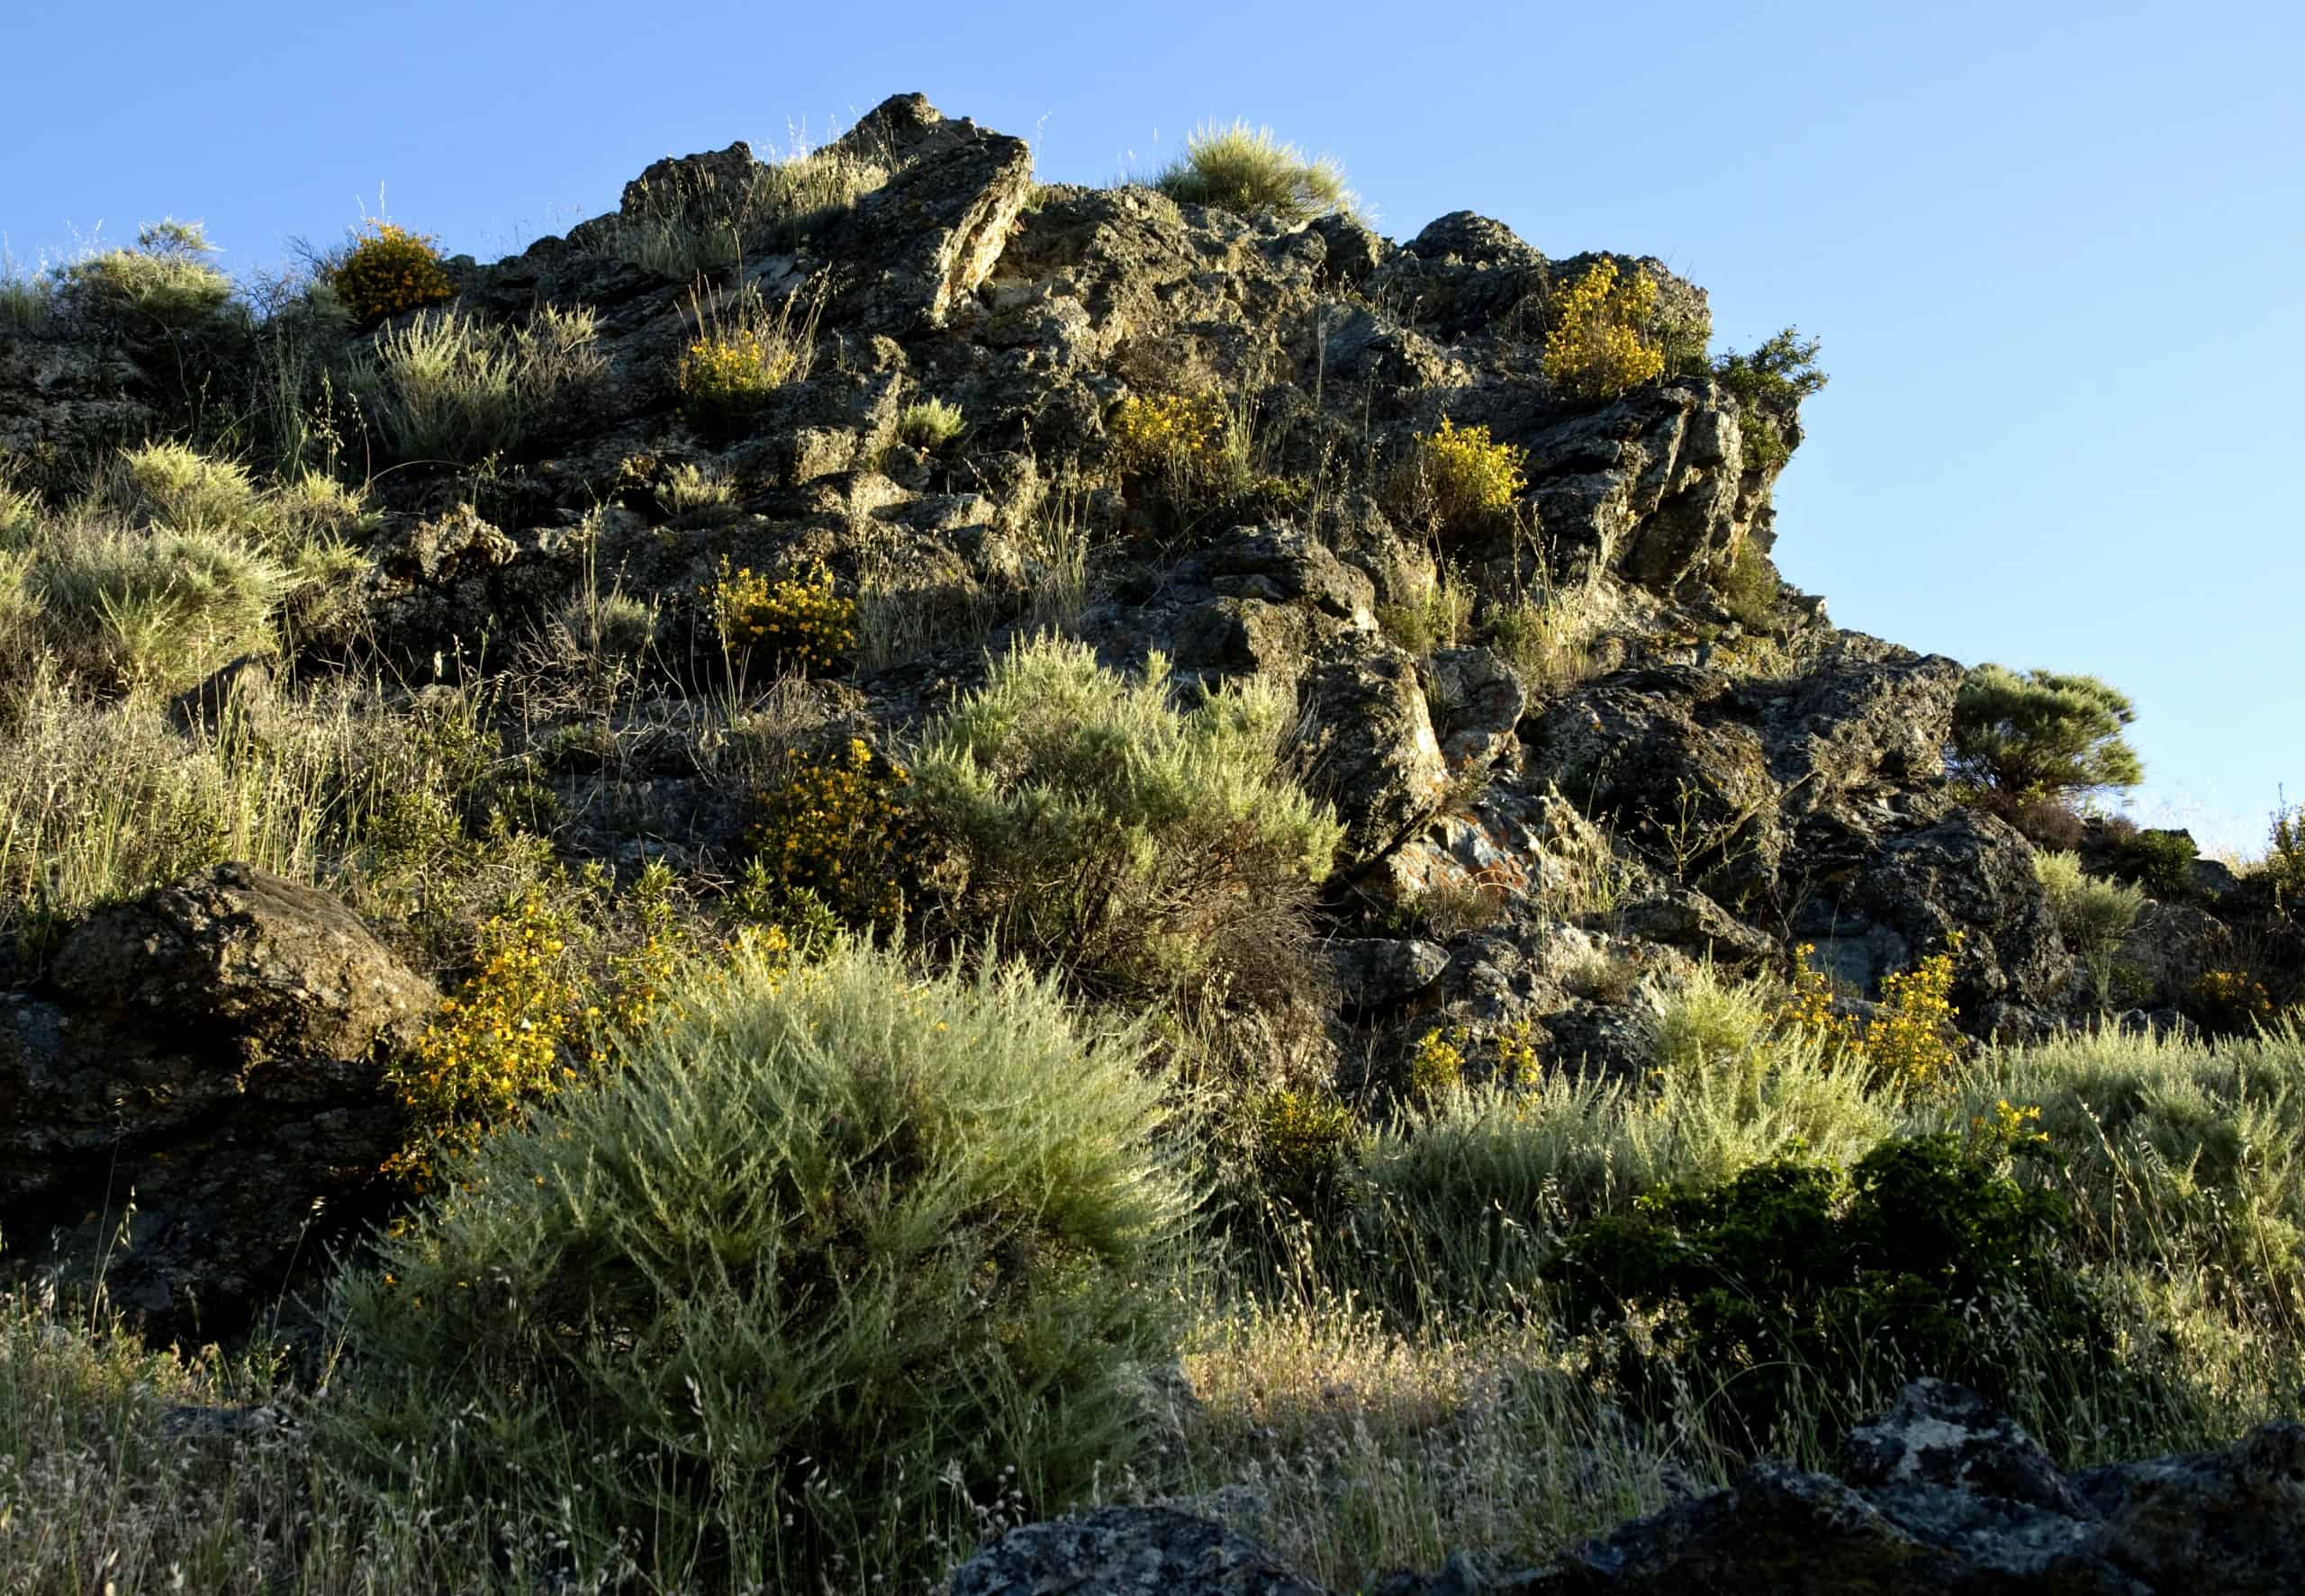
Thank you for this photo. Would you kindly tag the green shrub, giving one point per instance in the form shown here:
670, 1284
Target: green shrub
1246, 170
174, 483
2093, 916
2041, 733
1787, 1292
1307, 1142
443, 385
165, 282
1749, 586
928, 424
1769, 386
2161, 862
1460, 479
795, 1288
159, 609
1100, 825
798, 623
388, 271
839, 828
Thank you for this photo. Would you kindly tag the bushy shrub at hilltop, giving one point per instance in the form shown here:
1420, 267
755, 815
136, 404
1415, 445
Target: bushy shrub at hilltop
2042, 733
166, 281
389, 270
835, 1251
1247, 170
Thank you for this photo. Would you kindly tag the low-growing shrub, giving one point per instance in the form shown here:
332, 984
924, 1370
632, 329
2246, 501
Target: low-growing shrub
1100, 825
839, 827
798, 623
2041, 733
2227, 1002
1769, 386
929, 424
2091, 915
1749, 586
741, 354
2161, 862
2284, 860
1911, 1038
828, 1265
1470, 476
1247, 170
445, 386
387, 270
1178, 439
1598, 346
1788, 1292
158, 609
1436, 1065
1307, 1142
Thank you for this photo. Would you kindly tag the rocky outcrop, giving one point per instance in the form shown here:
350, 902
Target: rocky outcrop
1940, 1494
212, 1054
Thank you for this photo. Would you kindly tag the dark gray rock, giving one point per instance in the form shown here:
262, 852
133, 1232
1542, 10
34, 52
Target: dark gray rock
1124, 1551
1373, 749
217, 1050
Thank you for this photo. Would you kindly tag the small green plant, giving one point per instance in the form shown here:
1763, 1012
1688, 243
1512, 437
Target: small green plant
1101, 824
928, 424
1246, 170
1749, 586
2285, 861
2042, 733
1598, 346
2091, 915
1769, 386
387, 270
825, 1270
797, 622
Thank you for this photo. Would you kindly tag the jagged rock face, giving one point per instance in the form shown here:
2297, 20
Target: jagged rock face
217, 1048
1940, 1494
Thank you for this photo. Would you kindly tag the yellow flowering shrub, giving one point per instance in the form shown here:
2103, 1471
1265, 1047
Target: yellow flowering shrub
498, 1044
1307, 1144
1437, 1067
389, 271
839, 827
1469, 473
797, 621
1179, 437
2228, 1000
1911, 1038
1599, 346
729, 374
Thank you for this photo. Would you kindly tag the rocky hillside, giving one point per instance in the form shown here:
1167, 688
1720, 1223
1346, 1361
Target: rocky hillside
836, 435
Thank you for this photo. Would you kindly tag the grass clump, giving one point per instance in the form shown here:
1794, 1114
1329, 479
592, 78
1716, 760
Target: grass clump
1598, 346
1101, 826
929, 424
387, 270
445, 386
828, 1263
1247, 170
2040, 734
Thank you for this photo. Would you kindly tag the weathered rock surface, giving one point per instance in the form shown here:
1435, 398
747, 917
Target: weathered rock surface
1126, 1549
216, 1049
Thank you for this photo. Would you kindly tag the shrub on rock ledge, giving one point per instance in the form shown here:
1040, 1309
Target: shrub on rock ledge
1246, 170
2042, 733
834, 1249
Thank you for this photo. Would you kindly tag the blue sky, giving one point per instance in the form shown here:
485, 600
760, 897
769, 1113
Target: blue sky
2054, 251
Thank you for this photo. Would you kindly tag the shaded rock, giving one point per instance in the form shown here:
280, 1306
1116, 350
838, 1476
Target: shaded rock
1375, 972
1125, 1551
1972, 874
1476, 701
1683, 917
1373, 749
926, 240
218, 1050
